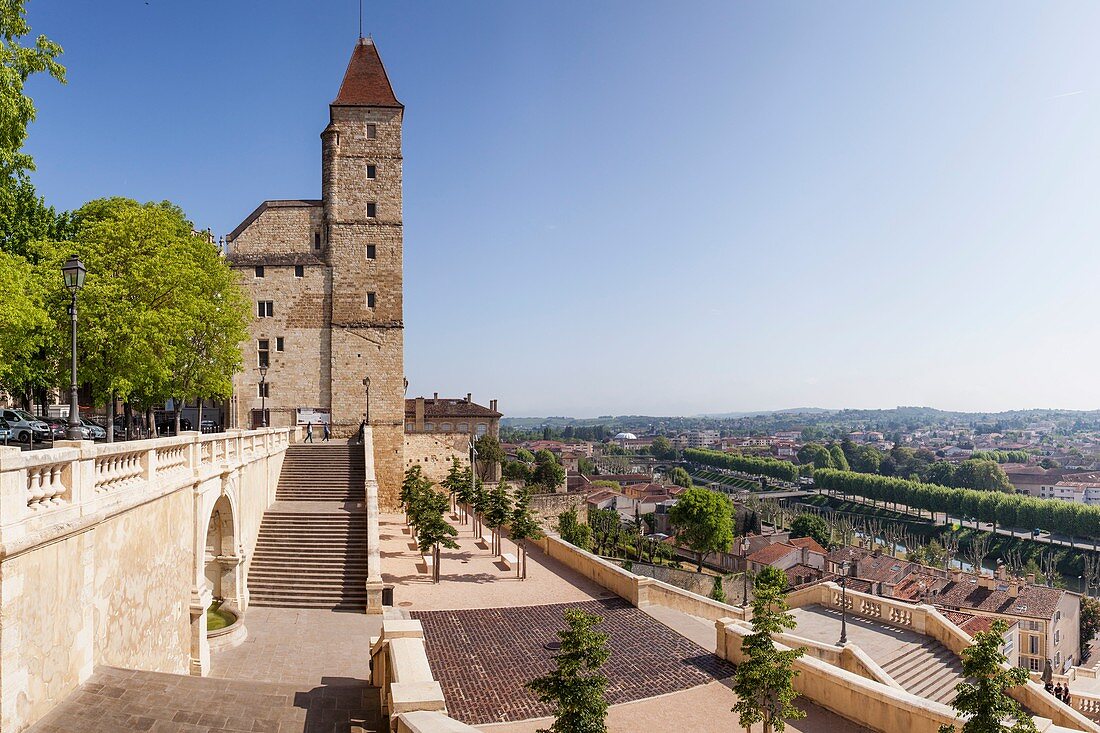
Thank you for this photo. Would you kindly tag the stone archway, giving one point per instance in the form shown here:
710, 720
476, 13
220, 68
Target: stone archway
222, 561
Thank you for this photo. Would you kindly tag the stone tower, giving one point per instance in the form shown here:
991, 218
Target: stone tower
361, 191
326, 278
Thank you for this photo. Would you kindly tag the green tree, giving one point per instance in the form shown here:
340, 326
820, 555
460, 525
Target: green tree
453, 484
1090, 619
661, 449
572, 530
764, 681
586, 466
717, 592
525, 455
498, 509
523, 527
432, 530
811, 525
576, 688
984, 700
489, 452
548, 472
680, 477
982, 476
840, 461
703, 521
816, 455
18, 62
606, 526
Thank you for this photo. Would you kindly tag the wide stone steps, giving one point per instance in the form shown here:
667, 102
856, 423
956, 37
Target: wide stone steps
929, 670
313, 554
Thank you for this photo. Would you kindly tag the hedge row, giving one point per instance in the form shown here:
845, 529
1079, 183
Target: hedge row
782, 470
995, 507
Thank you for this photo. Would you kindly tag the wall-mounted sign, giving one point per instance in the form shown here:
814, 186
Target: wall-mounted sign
313, 415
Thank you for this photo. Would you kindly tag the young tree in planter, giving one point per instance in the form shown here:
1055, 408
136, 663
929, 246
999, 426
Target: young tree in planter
576, 688
764, 678
432, 530
984, 700
523, 527
489, 452
704, 521
498, 509
453, 484
413, 484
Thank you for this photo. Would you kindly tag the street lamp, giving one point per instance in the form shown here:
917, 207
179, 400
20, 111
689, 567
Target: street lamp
366, 383
263, 397
74, 271
844, 602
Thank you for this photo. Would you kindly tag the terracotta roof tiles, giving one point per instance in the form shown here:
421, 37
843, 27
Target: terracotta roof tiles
366, 83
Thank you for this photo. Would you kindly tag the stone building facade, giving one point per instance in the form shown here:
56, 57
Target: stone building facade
326, 282
437, 429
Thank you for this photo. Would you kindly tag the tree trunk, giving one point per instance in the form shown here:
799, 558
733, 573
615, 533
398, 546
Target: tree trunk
176, 428
113, 402
150, 419
435, 568
127, 419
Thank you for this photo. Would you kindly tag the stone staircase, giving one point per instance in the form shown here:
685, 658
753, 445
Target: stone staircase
325, 472
929, 670
312, 546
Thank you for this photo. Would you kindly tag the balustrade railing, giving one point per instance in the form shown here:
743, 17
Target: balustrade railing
50, 482
46, 486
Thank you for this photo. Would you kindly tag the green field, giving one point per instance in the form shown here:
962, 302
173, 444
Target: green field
719, 478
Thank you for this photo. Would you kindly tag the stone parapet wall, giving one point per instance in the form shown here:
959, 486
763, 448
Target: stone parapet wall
547, 507
102, 555
433, 452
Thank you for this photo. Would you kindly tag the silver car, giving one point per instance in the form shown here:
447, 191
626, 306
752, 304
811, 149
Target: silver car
92, 431
5, 431
25, 427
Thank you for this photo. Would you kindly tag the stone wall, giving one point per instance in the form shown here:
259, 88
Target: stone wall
700, 583
433, 452
547, 507
103, 555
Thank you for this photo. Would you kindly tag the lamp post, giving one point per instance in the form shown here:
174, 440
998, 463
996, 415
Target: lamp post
263, 397
366, 383
745, 571
74, 271
844, 603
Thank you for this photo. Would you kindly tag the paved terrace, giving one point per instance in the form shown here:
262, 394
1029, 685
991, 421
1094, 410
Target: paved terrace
485, 633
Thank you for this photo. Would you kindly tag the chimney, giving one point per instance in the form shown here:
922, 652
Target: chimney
805, 560
493, 405
469, 396
419, 415
1002, 572
1013, 590
956, 576
987, 582
435, 396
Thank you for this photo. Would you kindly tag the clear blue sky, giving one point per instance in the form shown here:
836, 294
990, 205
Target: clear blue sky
633, 207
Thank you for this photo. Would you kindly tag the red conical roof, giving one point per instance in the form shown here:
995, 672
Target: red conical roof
365, 82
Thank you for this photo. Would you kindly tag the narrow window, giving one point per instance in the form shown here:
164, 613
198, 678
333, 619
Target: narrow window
299, 270
264, 389
266, 309
372, 132
372, 208
263, 351
259, 270
372, 252
371, 172
316, 240
278, 343
370, 300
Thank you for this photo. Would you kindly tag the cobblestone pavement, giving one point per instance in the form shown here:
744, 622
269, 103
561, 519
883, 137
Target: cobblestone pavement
115, 700
483, 657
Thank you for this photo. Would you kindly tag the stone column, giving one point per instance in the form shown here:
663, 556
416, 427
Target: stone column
374, 561
201, 595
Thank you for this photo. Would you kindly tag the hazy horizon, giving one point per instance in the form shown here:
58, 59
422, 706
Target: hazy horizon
651, 208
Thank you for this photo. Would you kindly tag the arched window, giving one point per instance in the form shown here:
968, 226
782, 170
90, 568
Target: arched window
446, 427
463, 427
482, 428
429, 427
410, 427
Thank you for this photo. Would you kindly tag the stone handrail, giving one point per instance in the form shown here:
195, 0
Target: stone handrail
867, 702
411, 697
47, 493
850, 657
927, 620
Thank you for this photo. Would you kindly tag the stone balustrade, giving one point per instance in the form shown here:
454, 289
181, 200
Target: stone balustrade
56, 487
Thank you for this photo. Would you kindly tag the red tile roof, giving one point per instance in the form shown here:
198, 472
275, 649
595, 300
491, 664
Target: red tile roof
446, 407
1033, 601
366, 83
772, 553
809, 542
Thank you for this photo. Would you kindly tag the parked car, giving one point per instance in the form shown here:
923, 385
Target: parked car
209, 426
59, 427
168, 427
92, 431
25, 426
5, 431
